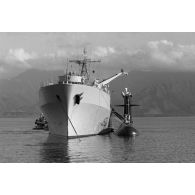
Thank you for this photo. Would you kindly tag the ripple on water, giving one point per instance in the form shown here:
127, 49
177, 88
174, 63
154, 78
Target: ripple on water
163, 139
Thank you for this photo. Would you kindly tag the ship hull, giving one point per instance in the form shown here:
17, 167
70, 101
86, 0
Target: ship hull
74, 110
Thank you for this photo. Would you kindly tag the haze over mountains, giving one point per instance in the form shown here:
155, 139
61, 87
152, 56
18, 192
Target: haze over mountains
161, 66
158, 93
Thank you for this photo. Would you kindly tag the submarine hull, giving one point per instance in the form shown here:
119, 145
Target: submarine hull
126, 130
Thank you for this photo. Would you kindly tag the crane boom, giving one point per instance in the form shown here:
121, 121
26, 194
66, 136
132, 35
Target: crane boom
106, 81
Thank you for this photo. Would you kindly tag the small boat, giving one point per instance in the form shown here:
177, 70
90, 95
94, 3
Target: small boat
41, 123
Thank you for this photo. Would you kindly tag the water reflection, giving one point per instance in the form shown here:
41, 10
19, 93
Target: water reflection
160, 140
107, 148
55, 149
122, 148
111, 148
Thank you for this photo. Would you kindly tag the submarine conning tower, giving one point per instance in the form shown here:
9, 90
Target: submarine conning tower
126, 128
127, 106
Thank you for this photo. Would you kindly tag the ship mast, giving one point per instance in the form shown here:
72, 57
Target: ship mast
83, 63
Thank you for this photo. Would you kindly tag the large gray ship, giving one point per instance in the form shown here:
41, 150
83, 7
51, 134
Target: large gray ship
76, 106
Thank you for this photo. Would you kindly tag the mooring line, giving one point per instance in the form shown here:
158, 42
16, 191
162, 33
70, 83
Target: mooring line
59, 99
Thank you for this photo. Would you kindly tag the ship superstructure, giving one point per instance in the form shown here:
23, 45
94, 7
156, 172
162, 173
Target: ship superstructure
76, 106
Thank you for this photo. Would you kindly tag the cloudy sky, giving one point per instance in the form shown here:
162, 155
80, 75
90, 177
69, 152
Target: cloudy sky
140, 51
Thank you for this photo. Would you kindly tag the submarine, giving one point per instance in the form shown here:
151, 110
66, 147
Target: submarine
126, 128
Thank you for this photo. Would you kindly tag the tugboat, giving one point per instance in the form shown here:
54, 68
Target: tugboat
41, 123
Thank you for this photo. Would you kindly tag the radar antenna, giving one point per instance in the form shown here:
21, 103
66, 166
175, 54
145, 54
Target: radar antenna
83, 63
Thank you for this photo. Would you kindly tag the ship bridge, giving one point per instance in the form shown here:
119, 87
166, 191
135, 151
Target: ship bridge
74, 79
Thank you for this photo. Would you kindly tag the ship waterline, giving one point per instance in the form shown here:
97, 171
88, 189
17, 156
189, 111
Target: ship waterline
74, 110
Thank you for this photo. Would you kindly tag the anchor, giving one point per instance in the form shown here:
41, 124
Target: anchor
126, 128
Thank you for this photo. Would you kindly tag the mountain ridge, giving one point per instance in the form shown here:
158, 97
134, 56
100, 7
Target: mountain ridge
158, 93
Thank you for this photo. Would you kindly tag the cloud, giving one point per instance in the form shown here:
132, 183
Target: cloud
169, 53
19, 58
164, 51
20, 55
159, 55
153, 55
103, 51
161, 43
2, 70
60, 53
187, 49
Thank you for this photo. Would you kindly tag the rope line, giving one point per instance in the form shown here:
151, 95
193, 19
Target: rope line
59, 99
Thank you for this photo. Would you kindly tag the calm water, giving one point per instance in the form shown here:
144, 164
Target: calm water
170, 139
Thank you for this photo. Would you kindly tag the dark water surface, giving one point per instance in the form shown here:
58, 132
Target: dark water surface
163, 139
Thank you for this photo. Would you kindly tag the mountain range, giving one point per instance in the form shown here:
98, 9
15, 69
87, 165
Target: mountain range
158, 93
